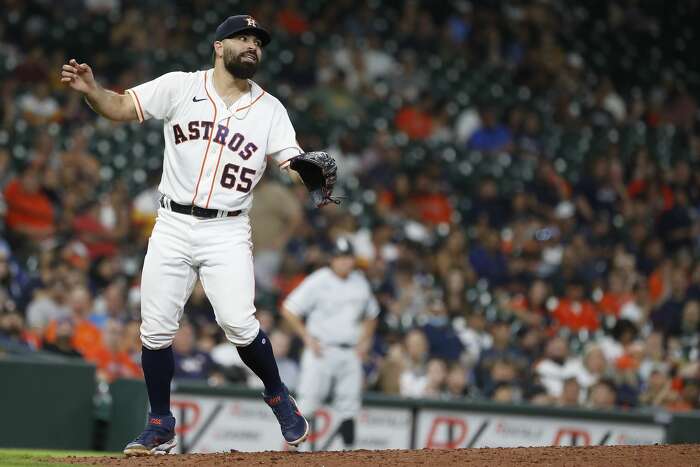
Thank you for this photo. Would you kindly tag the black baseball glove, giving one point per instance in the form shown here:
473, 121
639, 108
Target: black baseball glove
318, 172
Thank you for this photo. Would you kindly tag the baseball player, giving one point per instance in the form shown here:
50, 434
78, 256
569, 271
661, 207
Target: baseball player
219, 127
340, 312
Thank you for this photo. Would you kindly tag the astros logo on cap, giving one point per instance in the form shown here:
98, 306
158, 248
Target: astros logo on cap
251, 22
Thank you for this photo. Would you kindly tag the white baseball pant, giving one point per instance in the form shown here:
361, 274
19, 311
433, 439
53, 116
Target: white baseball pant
219, 252
338, 369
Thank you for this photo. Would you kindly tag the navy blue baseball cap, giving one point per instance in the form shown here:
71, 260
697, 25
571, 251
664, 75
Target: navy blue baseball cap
240, 24
342, 247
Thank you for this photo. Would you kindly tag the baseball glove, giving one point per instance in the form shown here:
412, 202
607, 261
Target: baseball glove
318, 172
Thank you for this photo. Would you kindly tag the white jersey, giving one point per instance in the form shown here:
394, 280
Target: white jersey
334, 307
214, 154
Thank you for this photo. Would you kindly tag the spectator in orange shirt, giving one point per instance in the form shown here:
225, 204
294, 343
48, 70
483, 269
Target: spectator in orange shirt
657, 283
289, 276
292, 19
432, 205
62, 339
99, 239
689, 396
112, 359
29, 211
574, 311
617, 295
87, 338
416, 120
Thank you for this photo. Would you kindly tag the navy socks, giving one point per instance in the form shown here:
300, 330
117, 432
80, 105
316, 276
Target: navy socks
347, 432
259, 358
158, 368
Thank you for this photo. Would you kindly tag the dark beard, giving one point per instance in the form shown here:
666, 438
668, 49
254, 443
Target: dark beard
238, 68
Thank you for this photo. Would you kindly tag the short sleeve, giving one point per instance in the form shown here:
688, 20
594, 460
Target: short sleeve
157, 98
303, 299
282, 142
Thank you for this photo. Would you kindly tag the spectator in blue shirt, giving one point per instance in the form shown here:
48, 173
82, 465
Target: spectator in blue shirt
190, 363
492, 136
443, 341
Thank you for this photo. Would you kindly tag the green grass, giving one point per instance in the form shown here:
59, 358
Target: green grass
27, 457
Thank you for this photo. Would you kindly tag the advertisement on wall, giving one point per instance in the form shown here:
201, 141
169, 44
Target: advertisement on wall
220, 424
217, 424
450, 429
377, 428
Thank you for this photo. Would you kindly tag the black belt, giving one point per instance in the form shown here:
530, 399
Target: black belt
342, 346
196, 211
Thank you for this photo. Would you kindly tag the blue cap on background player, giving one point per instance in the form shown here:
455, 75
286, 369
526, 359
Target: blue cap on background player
241, 23
343, 247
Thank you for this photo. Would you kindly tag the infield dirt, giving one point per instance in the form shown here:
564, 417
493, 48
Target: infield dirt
660, 455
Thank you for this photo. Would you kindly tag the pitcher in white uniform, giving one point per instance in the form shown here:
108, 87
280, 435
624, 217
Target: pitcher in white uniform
340, 314
220, 128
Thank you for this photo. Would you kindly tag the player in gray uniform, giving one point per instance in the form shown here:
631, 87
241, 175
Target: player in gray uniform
340, 312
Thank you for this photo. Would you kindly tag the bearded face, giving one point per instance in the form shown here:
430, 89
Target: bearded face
241, 62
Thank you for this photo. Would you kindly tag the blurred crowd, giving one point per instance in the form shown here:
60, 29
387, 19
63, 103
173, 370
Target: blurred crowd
521, 182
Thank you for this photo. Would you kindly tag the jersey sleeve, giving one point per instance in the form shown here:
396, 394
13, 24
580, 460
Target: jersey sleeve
282, 142
303, 299
157, 98
372, 307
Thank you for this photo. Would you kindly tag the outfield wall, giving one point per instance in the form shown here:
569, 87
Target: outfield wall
52, 403
46, 403
218, 419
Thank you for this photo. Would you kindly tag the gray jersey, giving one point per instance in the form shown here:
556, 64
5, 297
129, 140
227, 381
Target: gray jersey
334, 307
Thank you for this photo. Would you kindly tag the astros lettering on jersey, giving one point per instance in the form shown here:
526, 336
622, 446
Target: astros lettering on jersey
214, 154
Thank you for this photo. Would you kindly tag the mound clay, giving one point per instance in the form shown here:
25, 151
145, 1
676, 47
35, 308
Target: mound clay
662, 456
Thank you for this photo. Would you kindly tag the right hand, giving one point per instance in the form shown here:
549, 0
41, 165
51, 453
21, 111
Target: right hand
78, 76
314, 345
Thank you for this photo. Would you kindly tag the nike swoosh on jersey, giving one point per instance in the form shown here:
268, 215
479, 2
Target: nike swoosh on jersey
194, 99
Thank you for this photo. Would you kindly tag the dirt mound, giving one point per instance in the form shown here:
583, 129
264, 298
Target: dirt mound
649, 456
